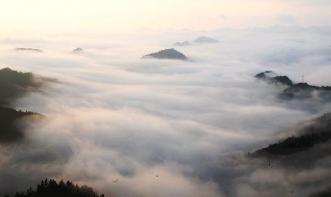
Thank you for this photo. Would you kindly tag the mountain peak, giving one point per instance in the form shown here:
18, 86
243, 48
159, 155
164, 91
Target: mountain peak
167, 54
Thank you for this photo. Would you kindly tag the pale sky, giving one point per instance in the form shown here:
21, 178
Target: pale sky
20, 16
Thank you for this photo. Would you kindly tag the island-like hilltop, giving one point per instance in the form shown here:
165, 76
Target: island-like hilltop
167, 54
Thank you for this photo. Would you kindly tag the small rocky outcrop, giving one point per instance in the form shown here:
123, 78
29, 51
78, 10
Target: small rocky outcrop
29, 50
78, 50
182, 44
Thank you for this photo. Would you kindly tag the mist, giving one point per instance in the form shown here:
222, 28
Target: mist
129, 126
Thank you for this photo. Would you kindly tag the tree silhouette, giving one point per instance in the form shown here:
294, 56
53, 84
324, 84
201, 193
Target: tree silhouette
50, 188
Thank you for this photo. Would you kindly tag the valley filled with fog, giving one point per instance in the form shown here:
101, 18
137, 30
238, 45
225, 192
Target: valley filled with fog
131, 126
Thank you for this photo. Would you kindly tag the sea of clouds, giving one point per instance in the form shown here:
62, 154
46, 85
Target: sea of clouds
141, 127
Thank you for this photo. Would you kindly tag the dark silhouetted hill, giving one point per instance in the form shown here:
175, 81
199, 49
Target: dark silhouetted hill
315, 133
14, 84
51, 188
306, 91
273, 78
300, 91
167, 54
10, 129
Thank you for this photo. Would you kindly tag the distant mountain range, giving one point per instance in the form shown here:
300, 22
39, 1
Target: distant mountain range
300, 91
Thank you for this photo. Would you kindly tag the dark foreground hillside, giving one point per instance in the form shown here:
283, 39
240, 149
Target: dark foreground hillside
313, 134
51, 188
325, 193
14, 85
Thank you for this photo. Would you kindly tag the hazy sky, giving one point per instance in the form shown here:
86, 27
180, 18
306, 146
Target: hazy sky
44, 16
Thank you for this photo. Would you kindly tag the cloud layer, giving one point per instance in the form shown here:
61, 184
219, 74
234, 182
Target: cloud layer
139, 127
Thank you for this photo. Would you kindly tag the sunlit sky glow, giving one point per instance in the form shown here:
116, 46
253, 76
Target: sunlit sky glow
21, 16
